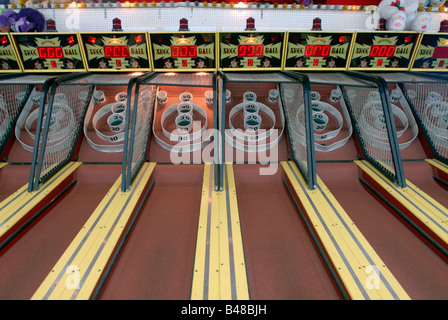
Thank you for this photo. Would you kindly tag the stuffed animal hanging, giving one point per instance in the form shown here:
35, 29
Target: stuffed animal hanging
26, 20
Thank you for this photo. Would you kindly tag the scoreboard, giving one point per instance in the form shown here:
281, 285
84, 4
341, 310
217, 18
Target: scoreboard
183, 51
116, 51
382, 50
432, 53
120, 51
317, 50
251, 50
49, 52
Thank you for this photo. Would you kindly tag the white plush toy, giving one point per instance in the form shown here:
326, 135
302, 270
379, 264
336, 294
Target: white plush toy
397, 22
394, 13
403, 15
421, 22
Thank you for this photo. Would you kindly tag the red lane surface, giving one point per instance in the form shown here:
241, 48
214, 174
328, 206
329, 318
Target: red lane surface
420, 174
26, 264
419, 270
282, 263
157, 261
12, 178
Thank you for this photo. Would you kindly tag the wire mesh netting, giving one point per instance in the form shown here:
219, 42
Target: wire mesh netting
427, 97
373, 136
141, 113
369, 117
61, 125
12, 101
293, 103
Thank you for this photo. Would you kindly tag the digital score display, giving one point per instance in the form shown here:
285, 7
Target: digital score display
383, 50
49, 52
9, 61
251, 50
316, 50
431, 53
183, 51
116, 51
245, 50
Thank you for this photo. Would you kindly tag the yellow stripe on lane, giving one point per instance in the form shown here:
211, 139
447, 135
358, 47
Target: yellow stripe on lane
431, 213
14, 208
3, 164
439, 165
200, 269
242, 290
81, 266
219, 269
360, 269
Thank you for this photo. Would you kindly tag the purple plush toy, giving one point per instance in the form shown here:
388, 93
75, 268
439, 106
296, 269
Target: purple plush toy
7, 18
26, 20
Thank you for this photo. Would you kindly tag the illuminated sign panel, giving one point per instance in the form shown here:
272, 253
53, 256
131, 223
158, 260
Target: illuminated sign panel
183, 51
116, 51
49, 52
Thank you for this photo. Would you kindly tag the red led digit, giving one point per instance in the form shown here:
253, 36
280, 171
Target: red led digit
250, 62
174, 52
379, 63
315, 62
326, 51
118, 63
183, 51
308, 51
184, 63
108, 52
390, 51
53, 64
259, 50
117, 51
192, 52
42, 52
125, 52
242, 51
250, 51
51, 53
59, 53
